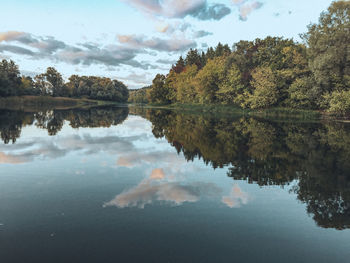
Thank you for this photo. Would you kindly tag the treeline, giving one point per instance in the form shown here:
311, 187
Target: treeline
268, 72
138, 96
51, 83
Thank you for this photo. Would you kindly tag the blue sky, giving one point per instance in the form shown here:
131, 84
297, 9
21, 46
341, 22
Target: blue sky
132, 40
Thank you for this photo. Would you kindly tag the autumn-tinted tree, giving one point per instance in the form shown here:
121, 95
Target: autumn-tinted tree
179, 66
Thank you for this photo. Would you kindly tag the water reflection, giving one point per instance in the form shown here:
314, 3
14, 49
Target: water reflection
11, 122
264, 152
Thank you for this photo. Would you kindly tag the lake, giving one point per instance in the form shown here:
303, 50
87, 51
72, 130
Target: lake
119, 184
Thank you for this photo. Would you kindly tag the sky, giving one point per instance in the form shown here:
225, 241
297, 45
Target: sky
133, 40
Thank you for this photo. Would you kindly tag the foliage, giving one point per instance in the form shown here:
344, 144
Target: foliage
208, 80
10, 80
311, 156
184, 86
265, 93
138, 95
328, 48
339, 103
268, 72
51, 83
158, 93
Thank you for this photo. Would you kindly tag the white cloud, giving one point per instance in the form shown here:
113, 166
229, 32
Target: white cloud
181, 8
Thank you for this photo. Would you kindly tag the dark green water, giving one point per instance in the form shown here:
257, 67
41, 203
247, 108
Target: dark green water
136, 185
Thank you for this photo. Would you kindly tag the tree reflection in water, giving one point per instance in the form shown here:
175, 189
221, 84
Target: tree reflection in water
11, 122
260, 151
267, 152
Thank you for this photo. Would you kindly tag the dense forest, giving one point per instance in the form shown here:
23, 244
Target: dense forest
51, 83
270, 72
138, 95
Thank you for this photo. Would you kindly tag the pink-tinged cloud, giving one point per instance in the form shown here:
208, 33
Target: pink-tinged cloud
157, 174
10, 35
11, 159
146, 193
246, 7
236, 198
156, 188
47, 47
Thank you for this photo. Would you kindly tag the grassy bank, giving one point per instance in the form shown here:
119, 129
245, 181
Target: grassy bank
37, 103
227, 110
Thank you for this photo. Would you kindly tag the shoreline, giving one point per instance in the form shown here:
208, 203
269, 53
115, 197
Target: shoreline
37, 103
274, 112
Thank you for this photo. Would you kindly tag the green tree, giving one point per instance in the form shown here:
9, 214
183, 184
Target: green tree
56, 81
185, 85
265, 92
158, 93
10, 79
43, 86
302, 94
231, 88
339, 103
208, 80
328, 48
193, 58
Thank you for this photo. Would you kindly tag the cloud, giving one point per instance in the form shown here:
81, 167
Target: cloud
157, 44
139, 79
111, 55
213, 12
166, 61
157, 174
47, 148
16, 50
155, 189
164, 27
46, 45
9, 35
147, 193
201, 33
236, 198
246, 7
183, 27
199, 9
133, 159
37, 47
11, 159
238, 2
245, 10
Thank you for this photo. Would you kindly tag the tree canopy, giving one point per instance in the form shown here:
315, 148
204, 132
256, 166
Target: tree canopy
51, 83
268, 72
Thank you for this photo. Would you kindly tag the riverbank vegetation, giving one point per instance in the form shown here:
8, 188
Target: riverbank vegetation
43, 103
270, 72
52, 84
138, 96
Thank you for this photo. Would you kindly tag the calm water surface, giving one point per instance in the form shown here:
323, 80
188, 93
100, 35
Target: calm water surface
138, 185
